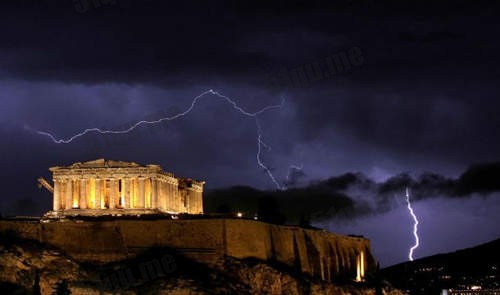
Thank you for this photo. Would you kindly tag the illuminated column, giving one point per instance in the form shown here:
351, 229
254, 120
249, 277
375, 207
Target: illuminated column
168, 196
358, 273
141, 193
147, 193
92, 193
121, 197
83, 193
183, 196
199, 196
88, 194
154, 192
187, 200
57, 195
98, 184
103, 193
161, 194
62, 194
194, 203
172, 197
133, 192
169, 204
126, 190
176, 199
164, 194
362, 262
113, 193
360, 267
159, 202
75, 199
199, 209
69, 193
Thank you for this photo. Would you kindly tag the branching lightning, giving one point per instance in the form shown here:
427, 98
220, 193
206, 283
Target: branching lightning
415, 226
260, 142
291, 169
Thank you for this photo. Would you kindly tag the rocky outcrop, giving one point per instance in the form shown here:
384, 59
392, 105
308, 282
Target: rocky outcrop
319, 254
23, 262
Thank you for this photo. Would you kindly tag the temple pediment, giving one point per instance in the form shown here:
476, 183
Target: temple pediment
102, 163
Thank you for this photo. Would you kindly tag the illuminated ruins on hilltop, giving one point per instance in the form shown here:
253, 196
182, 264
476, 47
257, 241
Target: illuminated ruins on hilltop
104, 187
113, 188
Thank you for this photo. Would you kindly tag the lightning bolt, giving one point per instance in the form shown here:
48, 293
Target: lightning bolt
290, 170
415, 226
260, 143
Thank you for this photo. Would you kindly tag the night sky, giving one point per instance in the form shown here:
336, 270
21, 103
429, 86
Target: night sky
369, 87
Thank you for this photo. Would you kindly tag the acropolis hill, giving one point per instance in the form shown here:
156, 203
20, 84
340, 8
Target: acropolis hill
108, 211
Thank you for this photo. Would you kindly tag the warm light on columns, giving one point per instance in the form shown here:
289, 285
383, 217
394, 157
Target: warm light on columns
362, 258
103, 193
121, 202
360, 267
133, 193
147, 193
75, 194
92, 193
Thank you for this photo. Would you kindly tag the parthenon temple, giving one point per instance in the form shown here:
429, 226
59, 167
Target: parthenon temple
102, 187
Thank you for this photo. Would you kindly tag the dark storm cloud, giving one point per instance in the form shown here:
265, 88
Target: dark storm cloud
424, 97
153, 40
185, 42
295, 174
354, 194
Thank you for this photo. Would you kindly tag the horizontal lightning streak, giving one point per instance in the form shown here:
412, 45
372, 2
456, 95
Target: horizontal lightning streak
254, 115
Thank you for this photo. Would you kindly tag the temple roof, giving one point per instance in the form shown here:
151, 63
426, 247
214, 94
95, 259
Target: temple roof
103, 163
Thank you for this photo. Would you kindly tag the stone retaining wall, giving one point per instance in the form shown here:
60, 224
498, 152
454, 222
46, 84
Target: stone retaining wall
319, 253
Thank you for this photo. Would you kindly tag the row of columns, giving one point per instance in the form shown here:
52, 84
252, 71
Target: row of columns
125, 193
97, 193
171, 198
360, 267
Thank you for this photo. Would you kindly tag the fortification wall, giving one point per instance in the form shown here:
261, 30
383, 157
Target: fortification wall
318, 253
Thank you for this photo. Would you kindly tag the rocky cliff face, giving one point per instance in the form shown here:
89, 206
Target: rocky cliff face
319, 254
24, 262
191, 256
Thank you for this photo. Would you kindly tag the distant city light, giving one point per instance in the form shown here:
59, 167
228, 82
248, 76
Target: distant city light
239, 214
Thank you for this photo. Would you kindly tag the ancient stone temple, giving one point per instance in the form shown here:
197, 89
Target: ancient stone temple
103, 187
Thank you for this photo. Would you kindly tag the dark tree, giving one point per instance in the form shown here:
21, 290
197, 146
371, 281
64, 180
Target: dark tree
378, 281
268, 210
36, 284
62, 288
304, 221
223, 208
